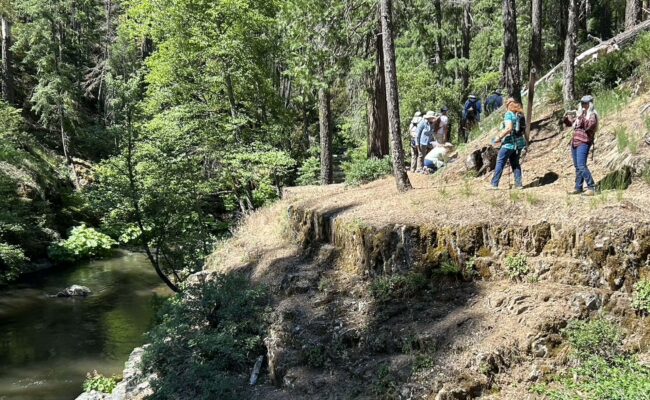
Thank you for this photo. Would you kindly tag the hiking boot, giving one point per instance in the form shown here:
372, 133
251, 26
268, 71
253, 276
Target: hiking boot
589, 193
492, 187
575, 192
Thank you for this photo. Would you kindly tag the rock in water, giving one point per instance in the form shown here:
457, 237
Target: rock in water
74, 291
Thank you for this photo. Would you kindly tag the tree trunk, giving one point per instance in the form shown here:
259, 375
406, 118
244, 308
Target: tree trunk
8, 88
632, 13
325, 120
536, 42
561, 28
467, 37
378, 111
512, 75
570, 55
439, 49
401, 178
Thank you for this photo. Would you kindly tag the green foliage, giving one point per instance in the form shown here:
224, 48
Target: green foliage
449, 268
12, 261
611, 101
362, 171
207, 338
641, 296
83, 243
626, 141
100, 383
598, 337
309, 172
517, 266
387, 288
604, 372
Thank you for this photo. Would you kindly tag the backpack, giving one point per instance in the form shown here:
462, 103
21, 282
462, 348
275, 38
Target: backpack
471, 111
520, 126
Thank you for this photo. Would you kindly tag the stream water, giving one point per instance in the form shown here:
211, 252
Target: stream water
47, 345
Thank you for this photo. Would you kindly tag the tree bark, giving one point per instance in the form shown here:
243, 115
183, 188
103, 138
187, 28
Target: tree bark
392, 99
536, 42
8, 88
467, 37
439, 50
512, 75
325, 122
378, 111
568, 90
632, 13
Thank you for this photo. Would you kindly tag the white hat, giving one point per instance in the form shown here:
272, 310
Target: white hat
429, 115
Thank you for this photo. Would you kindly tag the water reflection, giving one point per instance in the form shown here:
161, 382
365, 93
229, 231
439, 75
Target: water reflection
48, 344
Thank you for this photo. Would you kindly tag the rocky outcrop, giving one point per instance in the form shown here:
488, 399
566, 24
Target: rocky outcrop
135, 385
75, 291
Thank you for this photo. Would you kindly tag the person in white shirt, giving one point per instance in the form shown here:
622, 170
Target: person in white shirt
438, 157
442, 135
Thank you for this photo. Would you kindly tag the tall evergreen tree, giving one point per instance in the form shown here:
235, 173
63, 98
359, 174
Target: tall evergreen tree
511, 71
568, 91
7, 79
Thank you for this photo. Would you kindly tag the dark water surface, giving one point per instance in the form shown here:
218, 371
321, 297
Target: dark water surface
47, 345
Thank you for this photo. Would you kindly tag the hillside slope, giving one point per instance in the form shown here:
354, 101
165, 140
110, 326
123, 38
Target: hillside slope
387, 295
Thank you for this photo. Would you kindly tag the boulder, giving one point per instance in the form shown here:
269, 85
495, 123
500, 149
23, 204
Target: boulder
74, 291
94, 395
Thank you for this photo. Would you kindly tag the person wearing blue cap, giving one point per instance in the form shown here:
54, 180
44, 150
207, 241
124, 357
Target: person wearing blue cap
584, 122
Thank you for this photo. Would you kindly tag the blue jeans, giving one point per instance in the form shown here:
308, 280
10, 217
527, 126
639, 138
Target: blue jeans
512, 156
580, 156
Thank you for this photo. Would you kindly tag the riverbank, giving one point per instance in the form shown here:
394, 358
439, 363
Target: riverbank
49, 344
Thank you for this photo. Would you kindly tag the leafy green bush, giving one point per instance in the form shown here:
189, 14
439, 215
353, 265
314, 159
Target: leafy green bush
641, 296
358, 172
387, 288
598, 337
12, 260
83, 243
100, 383
604, 372
208, 336
517, 266
309, 172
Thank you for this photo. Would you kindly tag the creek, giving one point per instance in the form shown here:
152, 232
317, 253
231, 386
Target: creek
48, 344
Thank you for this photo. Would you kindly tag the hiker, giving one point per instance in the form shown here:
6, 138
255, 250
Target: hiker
494, 102
438, 157
512, 141
585, 124
425, 139
413, 130
442, 134
471, 115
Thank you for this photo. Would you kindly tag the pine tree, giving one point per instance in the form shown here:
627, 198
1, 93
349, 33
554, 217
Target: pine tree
511, 72
570, 54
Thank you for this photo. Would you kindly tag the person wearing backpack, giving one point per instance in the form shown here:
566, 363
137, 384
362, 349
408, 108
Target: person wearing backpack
494, 102
471, 114
585, 125
512, 141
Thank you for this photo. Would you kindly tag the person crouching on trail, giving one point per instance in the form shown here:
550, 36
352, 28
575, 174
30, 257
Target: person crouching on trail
413, 130
426, 131
585, 124
512, 141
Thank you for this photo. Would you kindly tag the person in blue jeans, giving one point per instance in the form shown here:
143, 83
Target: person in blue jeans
512, 143
585, 124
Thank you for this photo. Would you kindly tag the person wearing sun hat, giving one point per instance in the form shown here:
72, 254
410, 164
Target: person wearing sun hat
413, 130
584, 122
426, 130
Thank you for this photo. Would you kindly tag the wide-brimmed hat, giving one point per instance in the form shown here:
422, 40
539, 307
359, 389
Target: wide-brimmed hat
429, 115
587, 99
472, 96
497, 92
444, 109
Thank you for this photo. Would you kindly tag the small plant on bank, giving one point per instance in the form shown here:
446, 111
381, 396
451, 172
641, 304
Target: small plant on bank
467, 190
84, 243
449, 268
641, 296
387, 288
517, 266
598, 337
99, 383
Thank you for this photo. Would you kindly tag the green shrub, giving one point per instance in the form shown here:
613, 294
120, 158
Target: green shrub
517, 266
100, 383
611, 101
209, 335
449, 268
12, 260
358, 172
309, 172
83, 243
641, 296
598, 337
387, 288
